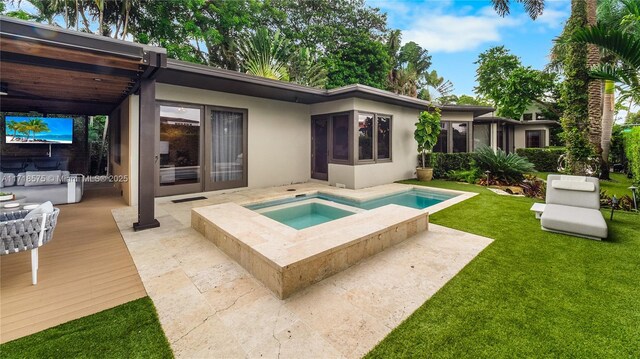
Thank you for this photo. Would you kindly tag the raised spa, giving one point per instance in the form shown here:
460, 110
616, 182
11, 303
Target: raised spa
309, 210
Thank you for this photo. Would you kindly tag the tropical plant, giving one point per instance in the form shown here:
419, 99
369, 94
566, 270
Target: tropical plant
574, 93
15, 127
533, 7
409, 64
266, 55
427, 132
35, 126
632, 149
305, 69
439, 85
502, 166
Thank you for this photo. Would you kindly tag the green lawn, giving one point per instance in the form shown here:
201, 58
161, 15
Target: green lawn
618, 185
530, 293
131, 330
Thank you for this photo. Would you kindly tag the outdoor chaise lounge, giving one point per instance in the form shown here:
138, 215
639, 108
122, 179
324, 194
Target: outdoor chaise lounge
573, 207
28, 230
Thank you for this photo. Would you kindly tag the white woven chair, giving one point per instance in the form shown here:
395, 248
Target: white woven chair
19, 234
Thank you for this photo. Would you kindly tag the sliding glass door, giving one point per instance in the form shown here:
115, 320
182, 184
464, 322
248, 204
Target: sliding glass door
178, 149
226, 148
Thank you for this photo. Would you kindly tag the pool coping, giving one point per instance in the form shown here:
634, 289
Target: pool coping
287, 260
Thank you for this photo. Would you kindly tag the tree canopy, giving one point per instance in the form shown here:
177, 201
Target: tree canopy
512, 87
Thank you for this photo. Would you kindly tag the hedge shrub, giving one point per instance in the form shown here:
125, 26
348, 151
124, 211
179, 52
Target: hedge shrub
632, 149
445, 162
544, 159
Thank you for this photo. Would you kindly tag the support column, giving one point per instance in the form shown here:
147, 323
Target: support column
494, 136
147, 156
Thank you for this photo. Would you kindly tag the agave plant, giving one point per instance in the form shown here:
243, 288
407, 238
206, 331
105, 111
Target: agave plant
502, 166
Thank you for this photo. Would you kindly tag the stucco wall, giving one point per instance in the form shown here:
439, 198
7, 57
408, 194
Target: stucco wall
128, 112
279, 133
457, 116
403, 153
519, 134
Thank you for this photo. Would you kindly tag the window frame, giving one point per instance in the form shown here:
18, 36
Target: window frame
468, 134
350, 144
357, 160
543, 136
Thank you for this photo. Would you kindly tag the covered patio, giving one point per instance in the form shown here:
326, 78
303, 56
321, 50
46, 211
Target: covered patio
87, 267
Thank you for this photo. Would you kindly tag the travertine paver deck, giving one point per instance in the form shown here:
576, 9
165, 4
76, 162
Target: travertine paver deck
209, 306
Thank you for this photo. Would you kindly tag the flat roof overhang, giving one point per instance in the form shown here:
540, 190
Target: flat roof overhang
204, 77
51, 70
488, 119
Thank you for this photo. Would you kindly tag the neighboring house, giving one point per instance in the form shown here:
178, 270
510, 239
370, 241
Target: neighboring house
179, 128
532, 130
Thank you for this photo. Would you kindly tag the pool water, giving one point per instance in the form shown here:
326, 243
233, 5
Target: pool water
414, 198
306, 215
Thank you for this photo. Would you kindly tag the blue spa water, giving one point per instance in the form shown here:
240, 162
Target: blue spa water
307, 215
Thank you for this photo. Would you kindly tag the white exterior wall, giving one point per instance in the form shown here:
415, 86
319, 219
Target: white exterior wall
519, 138
403, 147
279, 133
129, 140
457, 116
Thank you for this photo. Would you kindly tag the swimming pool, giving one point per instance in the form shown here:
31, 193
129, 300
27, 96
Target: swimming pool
299, 213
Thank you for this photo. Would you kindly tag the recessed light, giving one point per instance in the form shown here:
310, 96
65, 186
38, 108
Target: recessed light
97, 79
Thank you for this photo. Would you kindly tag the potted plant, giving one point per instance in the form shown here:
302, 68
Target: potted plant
426, 134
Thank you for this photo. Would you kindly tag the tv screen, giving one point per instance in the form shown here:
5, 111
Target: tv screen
39, 130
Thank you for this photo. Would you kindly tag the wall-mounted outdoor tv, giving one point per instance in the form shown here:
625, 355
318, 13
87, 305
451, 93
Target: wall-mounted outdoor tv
39, 130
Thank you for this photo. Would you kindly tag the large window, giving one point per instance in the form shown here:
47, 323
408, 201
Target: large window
534, 138
459, 132
481, 135
365, 136
383, 131
441, 145
179, 145
340, 136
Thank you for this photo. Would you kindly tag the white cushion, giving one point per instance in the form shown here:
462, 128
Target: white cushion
8, 179
21, 178
573, 178
46, 207
43, 178
574, 185
568, 219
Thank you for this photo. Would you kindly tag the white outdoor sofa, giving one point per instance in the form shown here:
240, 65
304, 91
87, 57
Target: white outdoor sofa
573, 207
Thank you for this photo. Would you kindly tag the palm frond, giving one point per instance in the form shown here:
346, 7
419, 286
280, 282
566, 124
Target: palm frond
626, 76
624, 45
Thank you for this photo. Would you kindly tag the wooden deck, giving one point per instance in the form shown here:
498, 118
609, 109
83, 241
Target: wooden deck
85, 269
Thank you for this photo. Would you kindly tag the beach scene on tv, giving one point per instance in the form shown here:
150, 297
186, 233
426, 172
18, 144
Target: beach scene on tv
39, 130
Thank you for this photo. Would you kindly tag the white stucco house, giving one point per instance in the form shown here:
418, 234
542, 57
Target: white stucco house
531, 130
180, 128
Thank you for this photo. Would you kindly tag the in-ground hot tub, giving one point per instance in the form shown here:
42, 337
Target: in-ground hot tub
293, 242
308, 213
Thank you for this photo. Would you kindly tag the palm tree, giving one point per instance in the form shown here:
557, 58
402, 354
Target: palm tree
623, 42
594, 107
15, 127
265, 55
533, 7
35, 126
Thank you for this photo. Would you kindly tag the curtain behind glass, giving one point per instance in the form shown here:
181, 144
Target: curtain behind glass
481, 136
227, 163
